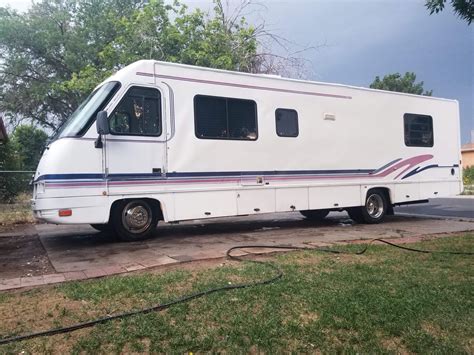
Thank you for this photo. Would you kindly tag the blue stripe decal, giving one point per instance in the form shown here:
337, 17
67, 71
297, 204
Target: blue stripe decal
128, 176
70, 177
386, 166
419, 170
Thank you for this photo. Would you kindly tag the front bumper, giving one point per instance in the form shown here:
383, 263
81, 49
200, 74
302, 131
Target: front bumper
85, 210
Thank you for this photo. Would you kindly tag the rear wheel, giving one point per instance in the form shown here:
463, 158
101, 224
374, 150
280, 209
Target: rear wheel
315, 215
374, 210
355, 213
134, 220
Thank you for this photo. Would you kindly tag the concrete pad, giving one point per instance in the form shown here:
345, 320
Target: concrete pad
53, 278
75, 275
80, 252
31, 281
81, 248
10, 283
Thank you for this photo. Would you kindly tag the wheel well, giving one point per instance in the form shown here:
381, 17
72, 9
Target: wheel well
386, 192
155, 204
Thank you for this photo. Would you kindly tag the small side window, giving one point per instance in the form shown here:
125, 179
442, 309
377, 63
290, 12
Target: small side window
418, 130
286, 122
138, 114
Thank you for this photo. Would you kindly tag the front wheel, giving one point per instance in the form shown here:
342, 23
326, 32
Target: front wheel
134, 220
374, 210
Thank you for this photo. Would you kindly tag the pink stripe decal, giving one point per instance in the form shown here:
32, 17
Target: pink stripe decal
404, 165
407, 163
244, 86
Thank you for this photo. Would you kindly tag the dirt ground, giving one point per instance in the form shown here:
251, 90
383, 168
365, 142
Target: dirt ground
23, 256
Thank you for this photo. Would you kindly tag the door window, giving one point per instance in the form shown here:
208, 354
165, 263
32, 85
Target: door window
138, 114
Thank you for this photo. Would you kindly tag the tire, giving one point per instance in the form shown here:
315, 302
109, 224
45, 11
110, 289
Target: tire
355, 213
102, 227
374, 210
315, 215
134, 220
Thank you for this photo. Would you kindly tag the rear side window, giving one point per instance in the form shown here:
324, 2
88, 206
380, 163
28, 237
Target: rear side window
286, 122
225, 118
138, 114
418, 130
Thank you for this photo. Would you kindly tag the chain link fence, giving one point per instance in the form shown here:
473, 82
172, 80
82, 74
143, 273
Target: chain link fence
13, 184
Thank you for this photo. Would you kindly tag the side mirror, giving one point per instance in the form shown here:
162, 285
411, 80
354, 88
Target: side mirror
102, 123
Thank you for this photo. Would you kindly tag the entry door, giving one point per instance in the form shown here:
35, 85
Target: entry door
136, 147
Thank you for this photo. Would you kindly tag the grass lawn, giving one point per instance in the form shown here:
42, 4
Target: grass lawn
387, 301
18, 212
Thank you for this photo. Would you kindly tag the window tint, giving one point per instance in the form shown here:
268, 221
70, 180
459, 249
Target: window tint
418, 130
139, 113
225, 118
286, 122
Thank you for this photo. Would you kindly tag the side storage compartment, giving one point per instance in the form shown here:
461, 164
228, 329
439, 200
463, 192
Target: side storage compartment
288, 199
195, 205
406, 192
334, 197
251, 201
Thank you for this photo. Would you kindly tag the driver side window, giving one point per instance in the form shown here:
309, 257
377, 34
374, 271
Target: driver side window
138, 114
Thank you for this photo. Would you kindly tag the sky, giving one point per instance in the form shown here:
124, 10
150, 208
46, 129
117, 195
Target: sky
357, 40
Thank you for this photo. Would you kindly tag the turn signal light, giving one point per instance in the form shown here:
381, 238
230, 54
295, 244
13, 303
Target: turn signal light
65, 213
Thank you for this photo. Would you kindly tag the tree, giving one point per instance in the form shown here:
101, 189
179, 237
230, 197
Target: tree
46, 51
22, 152
29, 143
396, 82
9, 161
54, 54
463, 8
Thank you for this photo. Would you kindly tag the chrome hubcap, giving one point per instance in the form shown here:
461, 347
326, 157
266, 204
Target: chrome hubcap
374, 206
136, 217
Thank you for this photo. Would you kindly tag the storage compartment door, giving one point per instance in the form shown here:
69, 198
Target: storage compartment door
253, 201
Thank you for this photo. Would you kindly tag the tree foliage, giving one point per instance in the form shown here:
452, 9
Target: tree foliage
9, 161
55, 53
29, 143
22, 152
463, 8
399, 83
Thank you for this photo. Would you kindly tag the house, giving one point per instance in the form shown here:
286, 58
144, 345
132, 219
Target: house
467, 153
3, 132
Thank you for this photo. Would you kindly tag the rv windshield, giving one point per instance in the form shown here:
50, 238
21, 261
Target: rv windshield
84, 116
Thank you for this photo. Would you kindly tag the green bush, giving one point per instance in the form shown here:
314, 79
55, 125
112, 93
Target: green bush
468, 175
10, 186
21, 152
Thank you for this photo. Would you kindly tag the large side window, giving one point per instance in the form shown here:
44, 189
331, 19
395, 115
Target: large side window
138, 114
418, 130
286, 122
225, 118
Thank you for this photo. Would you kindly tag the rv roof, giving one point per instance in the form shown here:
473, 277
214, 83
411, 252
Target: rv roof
280, 78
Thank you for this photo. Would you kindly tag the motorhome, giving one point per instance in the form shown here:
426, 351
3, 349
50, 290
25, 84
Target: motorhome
162, 141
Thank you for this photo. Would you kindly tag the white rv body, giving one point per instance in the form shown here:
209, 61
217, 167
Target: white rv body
349, 140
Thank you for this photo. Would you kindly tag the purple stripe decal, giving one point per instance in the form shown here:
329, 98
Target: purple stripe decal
397, 166
244, 86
